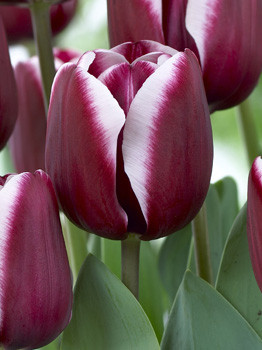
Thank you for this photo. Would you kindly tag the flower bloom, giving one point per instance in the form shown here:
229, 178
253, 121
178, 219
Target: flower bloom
129, 141
254, 224
35, 279
27, 142
8, 92
225, 35
18, 24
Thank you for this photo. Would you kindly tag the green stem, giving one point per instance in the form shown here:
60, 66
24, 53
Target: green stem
201, 244
43, 41
248, 130
130, 249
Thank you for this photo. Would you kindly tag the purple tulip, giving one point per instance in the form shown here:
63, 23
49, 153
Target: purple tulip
35, 279
129, 141
27, 142
225, 35
254, 224
8, 92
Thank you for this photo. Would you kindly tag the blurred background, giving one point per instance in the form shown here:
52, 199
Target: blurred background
88, 31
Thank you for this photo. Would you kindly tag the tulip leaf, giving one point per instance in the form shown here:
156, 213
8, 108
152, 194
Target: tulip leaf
201, 318
222, 208
236, 279
153, 298
173, 258
105, 314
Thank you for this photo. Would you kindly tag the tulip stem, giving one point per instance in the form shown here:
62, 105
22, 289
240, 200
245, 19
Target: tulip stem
201, 244
43, 41
130, 249
248, 130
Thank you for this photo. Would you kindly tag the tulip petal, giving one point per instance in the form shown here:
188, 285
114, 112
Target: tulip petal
124, 80
8, 92
134, 20
84, 122
35, 279
167, 145
175, 31
27, 142
254, 224
228, 35
97, 61
133, 51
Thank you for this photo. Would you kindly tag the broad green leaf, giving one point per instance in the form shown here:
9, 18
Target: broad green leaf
236, 279
202, 319
105, 314
222, 208
152, 297
173, 259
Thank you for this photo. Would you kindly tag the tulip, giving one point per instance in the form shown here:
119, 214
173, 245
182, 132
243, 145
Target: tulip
129, 141
27, 142
18, 24
35, 279
8, 92
254, 225
225, 35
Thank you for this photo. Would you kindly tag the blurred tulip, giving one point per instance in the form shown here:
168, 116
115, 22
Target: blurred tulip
8, 92
129, 141
35, 278
225, 35
27, 142
254, 224
17, 21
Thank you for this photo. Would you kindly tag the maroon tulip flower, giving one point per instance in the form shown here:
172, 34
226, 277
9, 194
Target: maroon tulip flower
18, 24
254, 224
8, 92
35, 278
27, 142
129, 141
225, 35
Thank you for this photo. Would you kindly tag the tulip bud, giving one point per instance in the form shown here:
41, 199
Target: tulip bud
254, 224
27, 142
17, 21
35, 279
8, 92
224, 35
141, 155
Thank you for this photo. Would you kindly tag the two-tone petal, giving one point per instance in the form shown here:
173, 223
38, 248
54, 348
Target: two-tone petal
134, 20
27, 142
35, 278
8, 91
84, 122
167, 145
228, 36
254, 224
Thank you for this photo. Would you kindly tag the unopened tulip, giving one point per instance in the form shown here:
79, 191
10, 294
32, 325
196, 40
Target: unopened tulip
225, 35
18, 24
8, 92
27, 142
254, 224
35, 279
129, 142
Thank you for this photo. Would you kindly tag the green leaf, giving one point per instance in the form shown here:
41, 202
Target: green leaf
201, 318
236, 279
173, 259
152, 297
222, 208
105, 314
